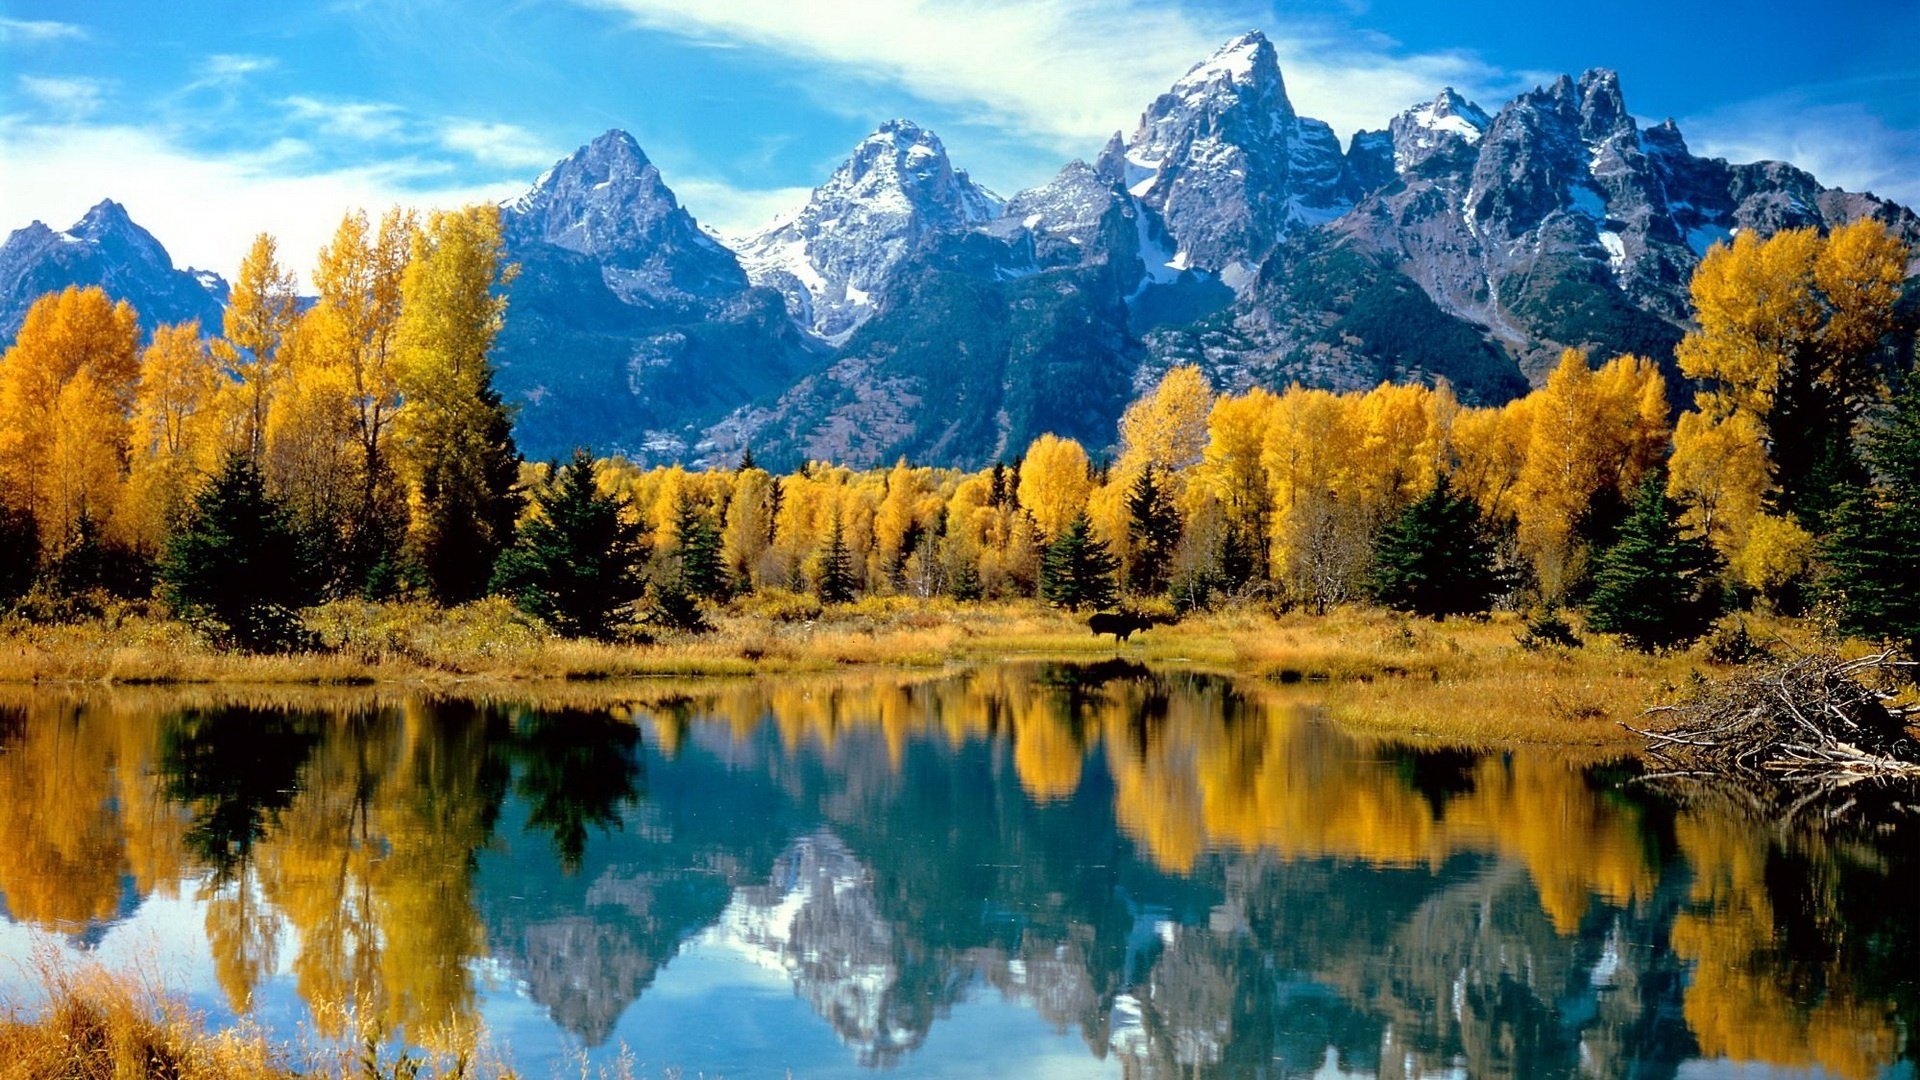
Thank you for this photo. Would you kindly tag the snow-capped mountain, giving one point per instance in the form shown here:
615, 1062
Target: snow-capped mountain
107, 249
1559, 222
904, 309
833, 255
1230, 165
606, 201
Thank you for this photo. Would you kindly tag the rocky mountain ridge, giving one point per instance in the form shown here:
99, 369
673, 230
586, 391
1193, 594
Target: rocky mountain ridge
904, 309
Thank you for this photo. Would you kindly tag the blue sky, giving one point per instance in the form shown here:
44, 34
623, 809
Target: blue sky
213, 121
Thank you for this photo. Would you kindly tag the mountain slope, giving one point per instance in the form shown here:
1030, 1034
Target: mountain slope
629, 329
107, 249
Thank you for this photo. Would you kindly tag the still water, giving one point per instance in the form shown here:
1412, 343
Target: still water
1024, 870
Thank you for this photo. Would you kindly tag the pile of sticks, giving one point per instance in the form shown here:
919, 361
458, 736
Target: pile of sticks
1816, 718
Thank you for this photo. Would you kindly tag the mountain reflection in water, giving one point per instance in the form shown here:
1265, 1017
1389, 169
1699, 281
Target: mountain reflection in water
1166, 873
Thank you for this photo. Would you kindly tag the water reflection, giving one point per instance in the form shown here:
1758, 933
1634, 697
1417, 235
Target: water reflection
1187, 875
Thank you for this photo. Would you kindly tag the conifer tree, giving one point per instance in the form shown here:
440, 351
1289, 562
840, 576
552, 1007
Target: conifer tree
1434, 559
1655, 586
1872, 553
835, 582
235, 563
1078, 570
695, 537
577, 560
1153, 528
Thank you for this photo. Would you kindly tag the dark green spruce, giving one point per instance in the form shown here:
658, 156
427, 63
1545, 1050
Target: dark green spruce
235, 564
1871, 555
577, 560
1078, 570
834, 584
1656, 586
1435, 559
1153, 530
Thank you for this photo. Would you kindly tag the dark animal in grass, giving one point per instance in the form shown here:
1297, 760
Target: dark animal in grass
1121, 624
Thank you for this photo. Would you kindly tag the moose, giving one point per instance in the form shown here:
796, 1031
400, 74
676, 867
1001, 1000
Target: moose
1121, 624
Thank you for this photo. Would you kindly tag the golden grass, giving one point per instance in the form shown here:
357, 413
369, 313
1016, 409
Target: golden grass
1464, 680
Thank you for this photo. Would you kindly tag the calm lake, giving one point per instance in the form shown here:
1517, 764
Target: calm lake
1025, 870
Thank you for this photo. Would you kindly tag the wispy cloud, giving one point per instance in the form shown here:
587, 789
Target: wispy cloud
36, 30
496, 144
360, 121
1844, 144
735, 211
1066, 72
206, 206
66, 98
228, 70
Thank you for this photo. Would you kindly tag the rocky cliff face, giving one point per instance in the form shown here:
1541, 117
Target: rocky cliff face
833, 255
107, 249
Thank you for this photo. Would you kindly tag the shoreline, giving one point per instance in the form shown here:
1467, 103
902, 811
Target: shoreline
1460, 682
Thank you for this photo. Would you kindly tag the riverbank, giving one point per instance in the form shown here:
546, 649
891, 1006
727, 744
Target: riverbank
1466, 681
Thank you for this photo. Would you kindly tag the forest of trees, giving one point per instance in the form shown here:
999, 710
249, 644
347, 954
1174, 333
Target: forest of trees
361, 434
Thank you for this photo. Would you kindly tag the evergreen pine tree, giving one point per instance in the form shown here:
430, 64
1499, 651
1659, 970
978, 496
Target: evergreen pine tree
1655, 586
19, 552
234, 564
835, 584
703, 571
746, 461
1872, 552
1078, 570
1434, 559
577, 561
1153, 527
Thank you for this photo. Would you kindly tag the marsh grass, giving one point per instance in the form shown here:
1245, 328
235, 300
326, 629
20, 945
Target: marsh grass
1468, 681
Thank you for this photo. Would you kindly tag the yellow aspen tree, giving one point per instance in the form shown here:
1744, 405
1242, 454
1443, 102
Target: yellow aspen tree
1054, 483
1788, 331
749, 529
454, 441
1562, 473
1167, 427
67, 388
175, 433
1719, 474
1489, 448
261, 309
1232, 471
1309, 453
356, 319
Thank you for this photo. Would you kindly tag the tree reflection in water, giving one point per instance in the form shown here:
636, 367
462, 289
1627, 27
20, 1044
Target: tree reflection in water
1198, 876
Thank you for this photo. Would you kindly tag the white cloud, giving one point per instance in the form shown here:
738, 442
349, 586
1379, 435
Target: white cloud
227, 69
734, 211
206, 208
496, 144
1843, 145
1066, 73
67, 98
12, 30
360, 121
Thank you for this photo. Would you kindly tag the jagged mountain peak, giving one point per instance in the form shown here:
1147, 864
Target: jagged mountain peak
1230, 165
606, 201
1247, 60
1445, 125
833, 255
1603, 109
107, 248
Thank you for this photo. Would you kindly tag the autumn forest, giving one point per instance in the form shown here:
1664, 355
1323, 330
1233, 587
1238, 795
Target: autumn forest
355, 446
